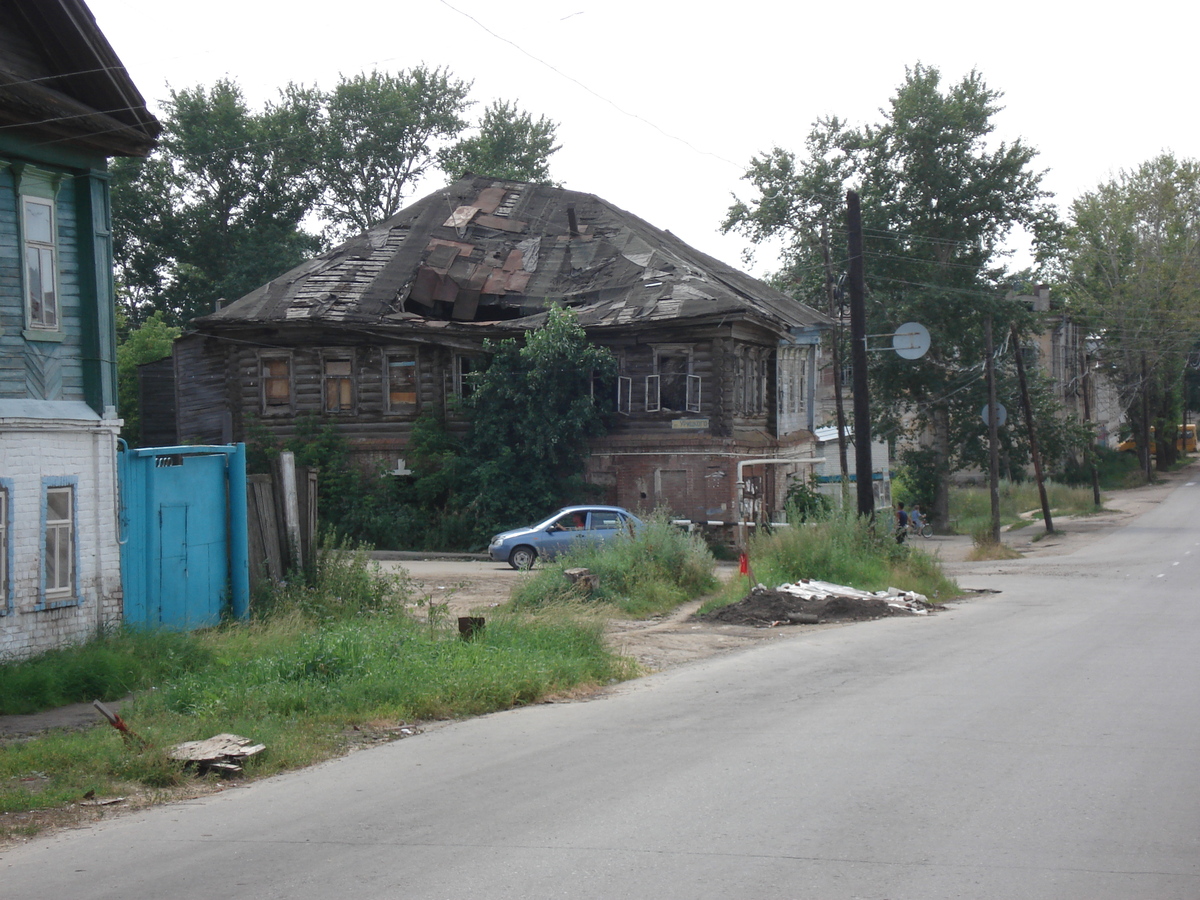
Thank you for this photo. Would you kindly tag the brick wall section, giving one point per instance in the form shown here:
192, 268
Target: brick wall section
31, 450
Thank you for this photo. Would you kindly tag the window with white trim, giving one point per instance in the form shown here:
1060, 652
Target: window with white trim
673, 387
58, 542
402, 381
41, 266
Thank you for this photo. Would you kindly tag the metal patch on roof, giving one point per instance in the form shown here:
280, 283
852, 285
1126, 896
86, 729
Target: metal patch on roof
509, 203
639, 259
518, 281
530, 247
461, 217
465, 306
441, 256
489, 199
496, 282
499, 224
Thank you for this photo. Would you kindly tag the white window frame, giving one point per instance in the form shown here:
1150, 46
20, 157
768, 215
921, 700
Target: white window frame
624, 394
653, 393
54, 533
692, 401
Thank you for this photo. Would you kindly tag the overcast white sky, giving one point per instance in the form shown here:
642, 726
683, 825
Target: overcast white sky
661, 104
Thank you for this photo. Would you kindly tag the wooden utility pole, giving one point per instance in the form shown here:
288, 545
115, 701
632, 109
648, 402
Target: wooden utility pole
836, 315
1033, 444
858, 356
993, 428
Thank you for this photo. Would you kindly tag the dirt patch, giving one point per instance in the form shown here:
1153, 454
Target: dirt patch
764, 607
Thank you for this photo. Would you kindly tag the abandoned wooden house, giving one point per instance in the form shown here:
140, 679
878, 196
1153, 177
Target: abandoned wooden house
716, 369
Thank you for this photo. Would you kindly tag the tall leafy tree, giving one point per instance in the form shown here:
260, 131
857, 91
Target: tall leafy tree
510, 145
532, 414
217, 209
939, 196
1131, 262
381, 135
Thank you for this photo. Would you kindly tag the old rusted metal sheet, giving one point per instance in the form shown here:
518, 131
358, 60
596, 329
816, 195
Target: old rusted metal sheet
501, 224
425, 286
489, 199
496, 283
518, 281
465, 306
461, 217
513, 261
441, 256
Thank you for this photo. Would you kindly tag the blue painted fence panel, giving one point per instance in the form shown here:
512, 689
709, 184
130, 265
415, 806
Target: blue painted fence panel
184, 552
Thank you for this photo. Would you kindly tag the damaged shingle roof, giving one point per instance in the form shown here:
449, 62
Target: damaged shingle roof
490, 252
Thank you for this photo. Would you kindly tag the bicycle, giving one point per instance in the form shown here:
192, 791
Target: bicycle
925, 530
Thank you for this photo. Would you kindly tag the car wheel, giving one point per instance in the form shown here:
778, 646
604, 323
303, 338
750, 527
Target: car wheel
522, 558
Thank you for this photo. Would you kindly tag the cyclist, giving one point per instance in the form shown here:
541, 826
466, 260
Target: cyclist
915, 520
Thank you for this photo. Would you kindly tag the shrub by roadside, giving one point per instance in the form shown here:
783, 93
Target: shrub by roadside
641, 574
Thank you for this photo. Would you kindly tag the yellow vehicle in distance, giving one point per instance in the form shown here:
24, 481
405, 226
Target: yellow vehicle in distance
1185, 441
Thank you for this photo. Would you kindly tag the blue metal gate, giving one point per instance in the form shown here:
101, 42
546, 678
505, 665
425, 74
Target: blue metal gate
184, 537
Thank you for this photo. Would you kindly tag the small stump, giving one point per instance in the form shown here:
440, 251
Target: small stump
469, 627
583, 579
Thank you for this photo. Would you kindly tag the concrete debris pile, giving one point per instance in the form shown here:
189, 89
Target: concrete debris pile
810, 602
221, 753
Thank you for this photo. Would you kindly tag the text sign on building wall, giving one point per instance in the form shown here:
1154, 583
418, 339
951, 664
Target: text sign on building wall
689, 424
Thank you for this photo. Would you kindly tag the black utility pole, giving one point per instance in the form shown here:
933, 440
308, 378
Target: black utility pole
836, 314
858, 357
1033, 444
993, 435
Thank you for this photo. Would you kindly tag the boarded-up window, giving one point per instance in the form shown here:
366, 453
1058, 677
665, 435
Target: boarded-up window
403, 379
338, 377
276, 377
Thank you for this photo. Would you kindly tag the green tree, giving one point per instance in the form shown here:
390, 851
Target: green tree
381, 135
939, 197
511, 145
532, 415
216, 211
149, 342
1131, 262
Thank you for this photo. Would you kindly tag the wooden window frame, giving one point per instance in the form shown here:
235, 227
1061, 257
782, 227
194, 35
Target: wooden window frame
276, 407
403, 356
345, 383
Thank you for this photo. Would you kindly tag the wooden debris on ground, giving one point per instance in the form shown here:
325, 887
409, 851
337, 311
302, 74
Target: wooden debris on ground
221, 753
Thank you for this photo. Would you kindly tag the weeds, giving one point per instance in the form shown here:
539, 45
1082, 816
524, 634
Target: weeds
642, 574
970, 507
843, 549
318, 658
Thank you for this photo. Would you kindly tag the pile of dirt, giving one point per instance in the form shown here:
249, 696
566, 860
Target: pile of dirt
764, 607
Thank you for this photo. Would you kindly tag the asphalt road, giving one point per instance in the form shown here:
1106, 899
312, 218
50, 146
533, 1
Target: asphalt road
1039, 743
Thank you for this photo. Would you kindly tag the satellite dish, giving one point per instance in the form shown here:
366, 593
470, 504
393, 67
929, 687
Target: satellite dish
1001, 415
911, 340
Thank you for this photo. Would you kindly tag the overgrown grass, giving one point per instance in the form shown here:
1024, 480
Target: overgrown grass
843, 549
641, 574
971, 507
107, 667
317, 660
